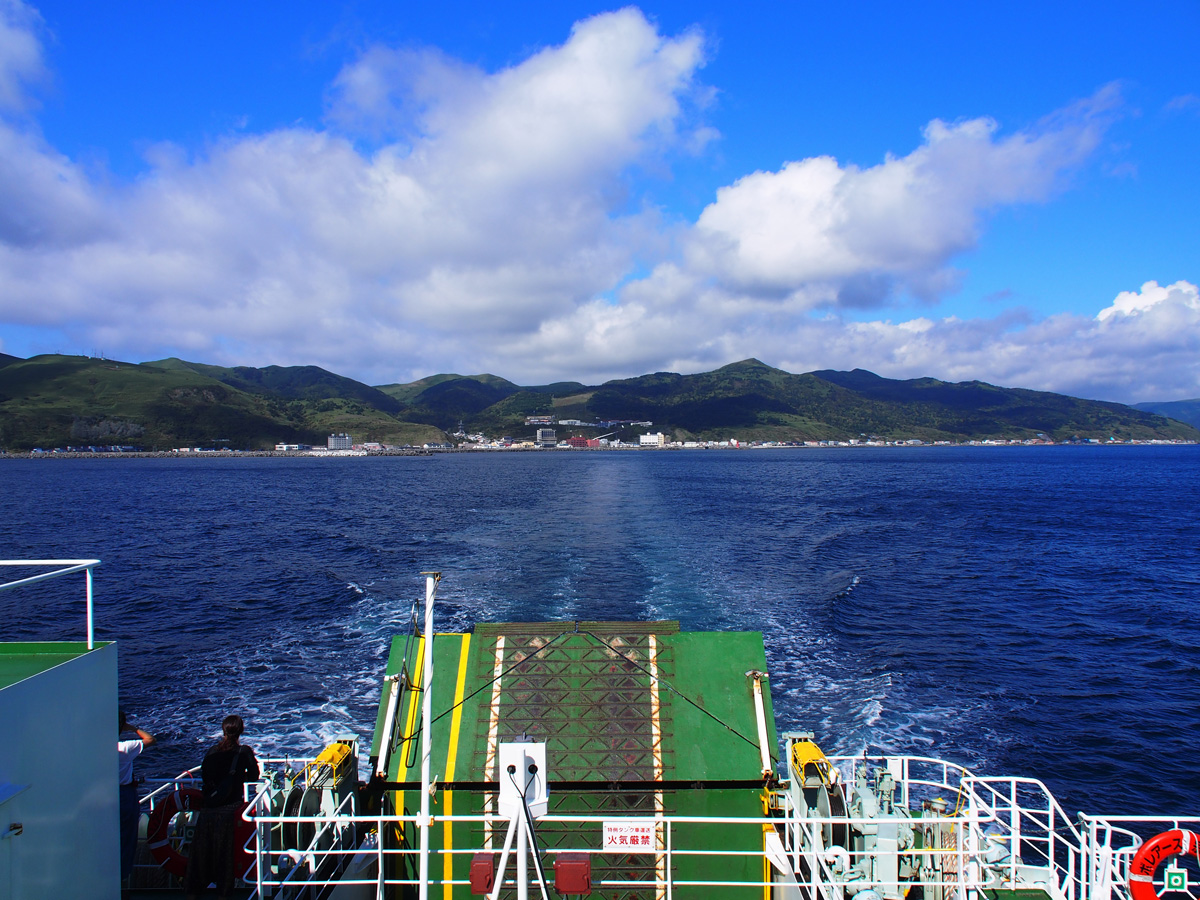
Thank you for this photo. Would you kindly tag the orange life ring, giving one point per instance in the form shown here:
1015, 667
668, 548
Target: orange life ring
167, 855
158, 832
1152, 853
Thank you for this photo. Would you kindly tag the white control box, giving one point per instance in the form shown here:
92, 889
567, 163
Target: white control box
523, 771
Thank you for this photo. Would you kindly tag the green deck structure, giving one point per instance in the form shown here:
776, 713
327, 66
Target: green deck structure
19, 661
637, 717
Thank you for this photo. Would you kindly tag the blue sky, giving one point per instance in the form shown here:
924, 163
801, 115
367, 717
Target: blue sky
548, 191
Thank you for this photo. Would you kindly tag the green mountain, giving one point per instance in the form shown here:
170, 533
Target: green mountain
54, 401
481, 402
290, 383
446, 400
57, 401
1183, 410
754, 401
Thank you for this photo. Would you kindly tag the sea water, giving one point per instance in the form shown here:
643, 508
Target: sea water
1026, 610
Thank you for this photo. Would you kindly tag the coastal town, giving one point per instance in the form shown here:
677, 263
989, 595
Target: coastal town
546, 439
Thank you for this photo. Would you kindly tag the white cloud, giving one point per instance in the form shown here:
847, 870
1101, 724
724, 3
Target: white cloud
1153, 354
866, 233
495, 209
1153, 301
450, 218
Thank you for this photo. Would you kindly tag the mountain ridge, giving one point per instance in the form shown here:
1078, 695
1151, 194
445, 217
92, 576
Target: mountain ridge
59, 401
1187, 411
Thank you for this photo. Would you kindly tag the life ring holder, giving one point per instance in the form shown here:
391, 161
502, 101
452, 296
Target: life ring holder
1177, 842
158, 831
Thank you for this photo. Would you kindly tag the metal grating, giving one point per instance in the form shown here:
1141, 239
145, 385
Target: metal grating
590, 705
588, 697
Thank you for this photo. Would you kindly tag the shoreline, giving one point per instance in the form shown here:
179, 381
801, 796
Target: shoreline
420, 451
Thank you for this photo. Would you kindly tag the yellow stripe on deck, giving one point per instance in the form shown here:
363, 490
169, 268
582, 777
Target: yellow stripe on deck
414, 699
410, 721
460, 690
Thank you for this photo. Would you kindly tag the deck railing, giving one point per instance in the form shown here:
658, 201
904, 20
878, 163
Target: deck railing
959, 863
1110, 843
70, 566
1001, 833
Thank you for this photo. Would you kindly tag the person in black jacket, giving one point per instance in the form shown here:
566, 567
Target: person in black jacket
226, 767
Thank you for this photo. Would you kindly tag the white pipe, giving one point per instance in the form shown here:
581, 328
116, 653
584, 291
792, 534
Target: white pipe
73, 565
91, 643
760, 716
522, 861
389, 722
431, 580
508, 840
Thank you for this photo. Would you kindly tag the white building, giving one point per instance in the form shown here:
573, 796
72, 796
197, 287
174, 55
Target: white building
339, 442
653, 440
546, 437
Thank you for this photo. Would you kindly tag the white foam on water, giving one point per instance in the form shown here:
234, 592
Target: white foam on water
871, 713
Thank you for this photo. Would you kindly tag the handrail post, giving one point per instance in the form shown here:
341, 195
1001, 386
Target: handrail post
670, 860
264, 859
431, 580
379, 872
90, 641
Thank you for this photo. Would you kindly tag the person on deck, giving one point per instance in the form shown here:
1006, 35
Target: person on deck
226, 767
129, 748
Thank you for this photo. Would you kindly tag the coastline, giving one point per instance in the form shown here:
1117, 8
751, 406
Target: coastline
429, 452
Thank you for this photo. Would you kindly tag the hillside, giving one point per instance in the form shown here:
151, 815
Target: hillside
445, 400
1182, 410
754, 401
58, 401
290, 383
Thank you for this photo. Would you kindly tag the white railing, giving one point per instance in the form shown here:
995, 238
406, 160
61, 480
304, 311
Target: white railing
1026, 838
1111, 842
318, 867
373, 862
71, 566
992, 833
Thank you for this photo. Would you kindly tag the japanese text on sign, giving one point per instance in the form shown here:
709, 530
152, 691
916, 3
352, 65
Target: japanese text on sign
631, 837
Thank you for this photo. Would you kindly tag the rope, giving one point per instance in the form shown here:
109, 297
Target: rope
487, 684
670, 687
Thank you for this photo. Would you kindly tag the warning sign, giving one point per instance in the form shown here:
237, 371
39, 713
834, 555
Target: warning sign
629, 837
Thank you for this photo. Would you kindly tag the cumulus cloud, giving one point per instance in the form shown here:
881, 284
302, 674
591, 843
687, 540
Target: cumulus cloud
1151, 352
862, 234
492, 205
1146, 346
1151, 302
451, 218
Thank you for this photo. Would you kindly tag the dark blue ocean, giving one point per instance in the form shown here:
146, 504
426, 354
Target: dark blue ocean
1023, 611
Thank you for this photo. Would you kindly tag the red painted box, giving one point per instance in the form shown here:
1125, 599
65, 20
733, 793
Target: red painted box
483, 873
573, 873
